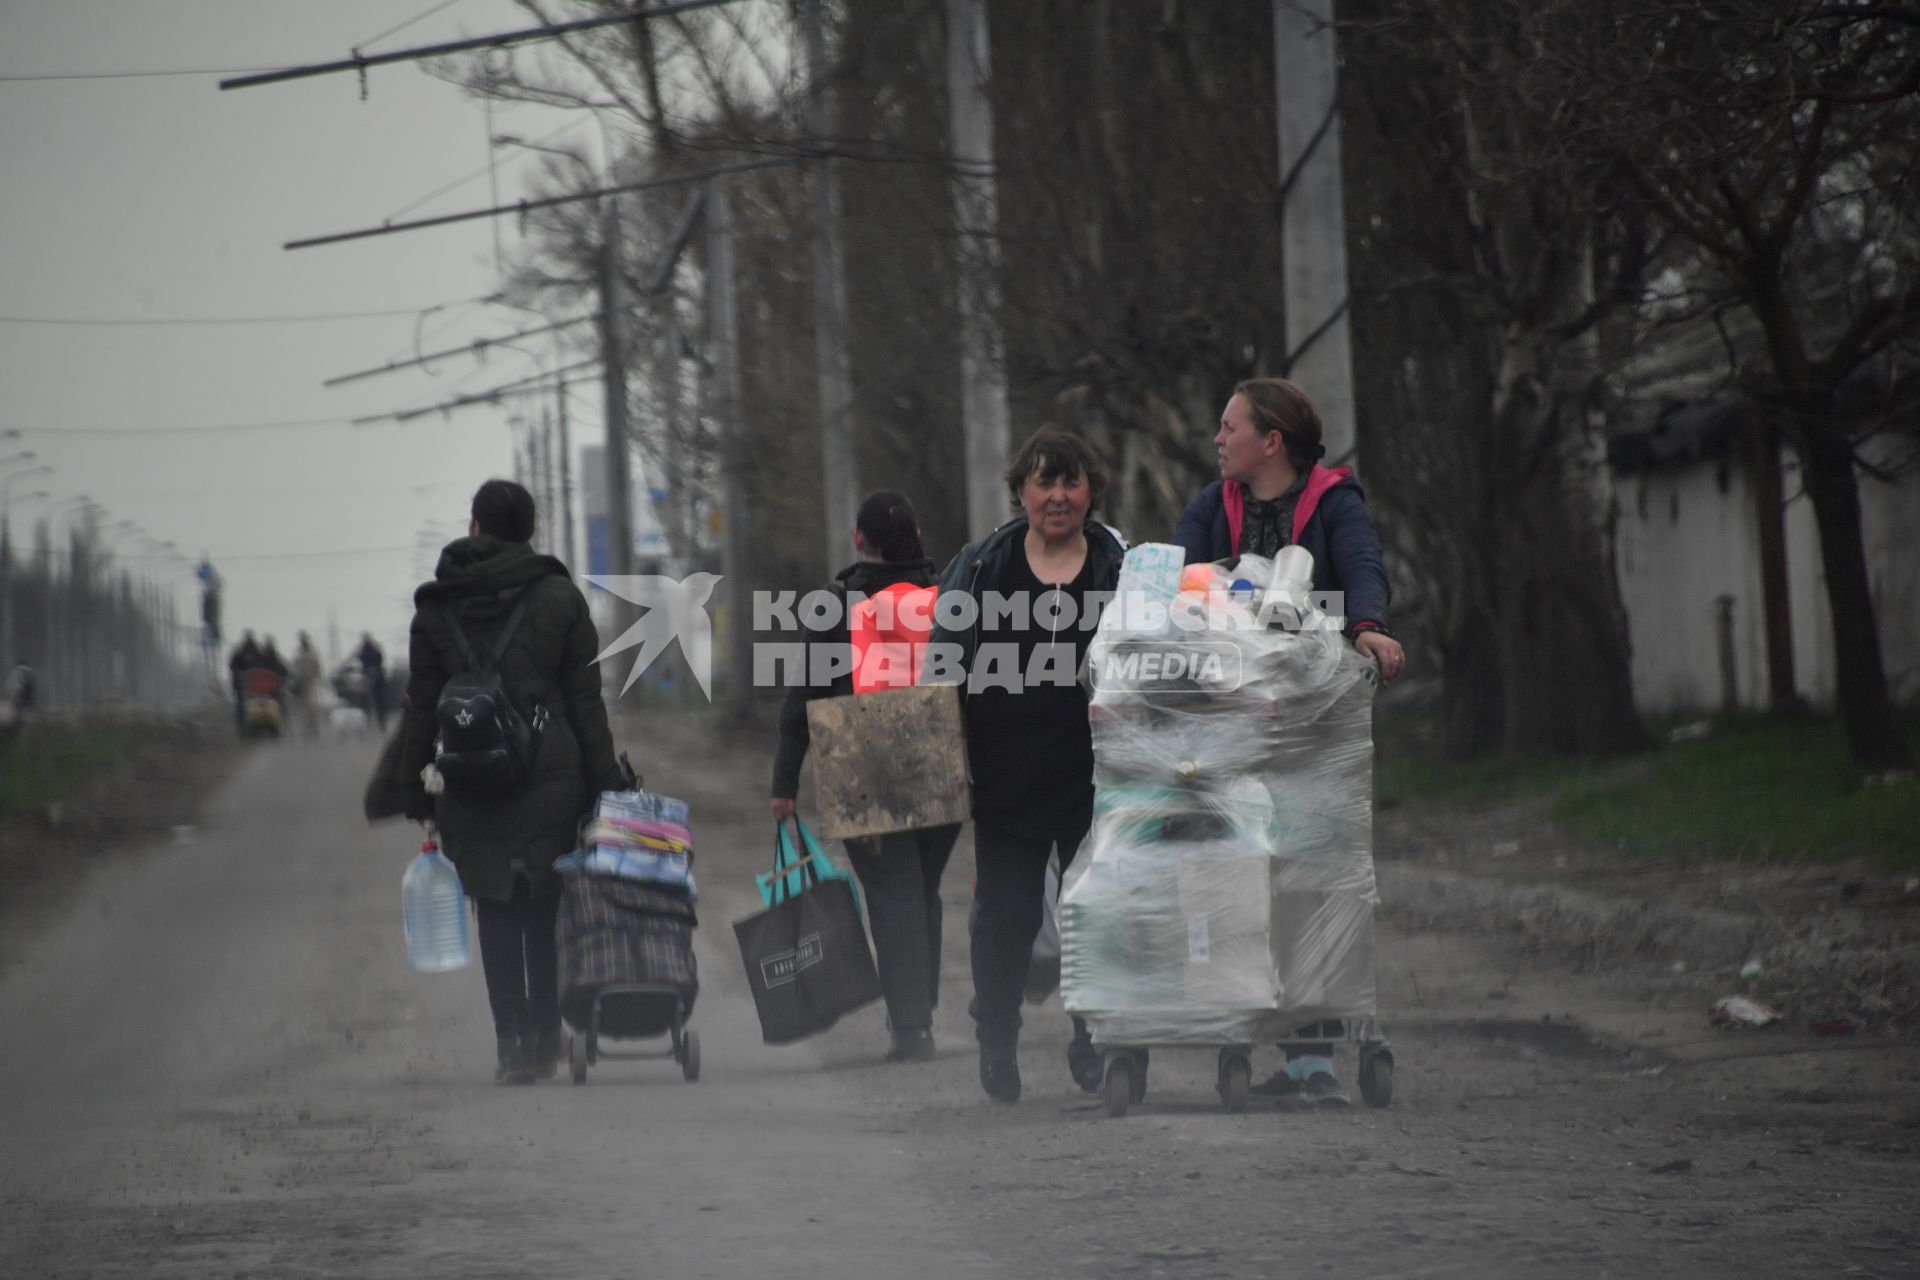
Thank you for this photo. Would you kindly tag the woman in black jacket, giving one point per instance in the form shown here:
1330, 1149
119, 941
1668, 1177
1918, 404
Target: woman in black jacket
504, 843
900, 871
1029, 742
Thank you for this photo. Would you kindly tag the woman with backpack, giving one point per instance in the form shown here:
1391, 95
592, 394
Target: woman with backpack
886, 628
503, 702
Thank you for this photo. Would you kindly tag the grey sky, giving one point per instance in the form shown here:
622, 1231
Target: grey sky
166, 198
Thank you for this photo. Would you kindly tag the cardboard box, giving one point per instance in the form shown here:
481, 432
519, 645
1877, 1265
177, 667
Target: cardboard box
890, 760
1230, 962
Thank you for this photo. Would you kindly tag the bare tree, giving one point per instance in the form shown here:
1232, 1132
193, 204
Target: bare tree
1778, 138
1772, 139
1481, 275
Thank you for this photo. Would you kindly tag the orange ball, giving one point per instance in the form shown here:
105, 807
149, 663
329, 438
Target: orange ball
1196, 577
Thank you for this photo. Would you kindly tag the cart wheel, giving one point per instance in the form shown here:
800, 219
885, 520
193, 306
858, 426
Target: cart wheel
1376, 1079
1236, 1083
1119, 1087
690, 1056
577, 1059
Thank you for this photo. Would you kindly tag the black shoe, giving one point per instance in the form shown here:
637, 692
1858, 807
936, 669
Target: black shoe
1277, 1085
911, 1046
545, 1063
1000, 1074
1088, 1067
513, 1065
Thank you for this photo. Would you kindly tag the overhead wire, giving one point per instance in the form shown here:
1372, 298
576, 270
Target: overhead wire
416, 18
309, 318
128, 75
477, 174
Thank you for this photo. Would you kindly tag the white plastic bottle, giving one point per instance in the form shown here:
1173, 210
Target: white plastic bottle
435, 911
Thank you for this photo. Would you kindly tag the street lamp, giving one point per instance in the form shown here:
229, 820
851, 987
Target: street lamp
7, 482
619, 485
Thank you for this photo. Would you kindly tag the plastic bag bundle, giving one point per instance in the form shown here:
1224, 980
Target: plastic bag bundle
639, 837
1226, 892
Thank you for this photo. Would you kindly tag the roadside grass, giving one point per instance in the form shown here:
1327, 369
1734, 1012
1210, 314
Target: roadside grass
49, 762
1754, 789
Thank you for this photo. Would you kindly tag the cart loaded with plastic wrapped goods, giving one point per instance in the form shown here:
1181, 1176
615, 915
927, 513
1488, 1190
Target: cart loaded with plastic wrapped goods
1225, 896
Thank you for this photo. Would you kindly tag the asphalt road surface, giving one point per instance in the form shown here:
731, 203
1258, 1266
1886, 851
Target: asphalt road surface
215, 1062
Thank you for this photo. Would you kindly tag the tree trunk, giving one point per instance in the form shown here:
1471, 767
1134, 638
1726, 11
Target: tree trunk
1783, 693
1874, 732
1565, 655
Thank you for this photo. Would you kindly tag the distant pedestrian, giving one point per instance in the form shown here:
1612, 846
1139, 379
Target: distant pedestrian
25, 690
373, 667
306, 684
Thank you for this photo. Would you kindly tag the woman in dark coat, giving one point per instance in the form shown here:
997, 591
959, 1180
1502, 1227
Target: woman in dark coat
1029, 742
504, 844
1273, 493
901, 870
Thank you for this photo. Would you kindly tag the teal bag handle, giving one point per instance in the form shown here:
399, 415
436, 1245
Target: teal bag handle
797, 860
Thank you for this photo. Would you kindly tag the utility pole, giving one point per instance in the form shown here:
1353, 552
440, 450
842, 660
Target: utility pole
613, 362
724, 342
6, 592
1313, 225
666, 380
987, 421
833, 360
566, 476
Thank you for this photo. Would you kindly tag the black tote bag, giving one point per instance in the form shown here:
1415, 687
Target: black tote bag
807, 958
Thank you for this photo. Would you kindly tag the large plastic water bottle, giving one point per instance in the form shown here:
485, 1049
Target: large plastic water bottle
436, 913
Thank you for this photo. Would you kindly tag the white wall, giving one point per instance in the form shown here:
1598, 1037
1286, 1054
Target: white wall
1681, 542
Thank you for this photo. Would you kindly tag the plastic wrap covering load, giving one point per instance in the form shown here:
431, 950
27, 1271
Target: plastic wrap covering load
1226, 891
619, 932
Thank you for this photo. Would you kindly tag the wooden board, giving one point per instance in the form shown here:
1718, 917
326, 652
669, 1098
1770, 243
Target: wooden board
890, 760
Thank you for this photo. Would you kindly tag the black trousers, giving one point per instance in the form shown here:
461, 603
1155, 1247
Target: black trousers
1010, 855
521, 958
900, 876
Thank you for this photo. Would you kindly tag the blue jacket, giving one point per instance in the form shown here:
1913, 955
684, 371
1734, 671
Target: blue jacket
1330, 523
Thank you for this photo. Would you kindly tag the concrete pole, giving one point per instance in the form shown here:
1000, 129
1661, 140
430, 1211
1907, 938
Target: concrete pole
1313, 236
673, 464
6, 594
566, 547
736, 682
619, 479
548, 499
987, 421
832, 359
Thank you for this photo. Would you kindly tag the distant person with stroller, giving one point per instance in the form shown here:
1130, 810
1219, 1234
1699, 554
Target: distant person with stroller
1030, 746
489, 585
373, 670
900, 871
1273, 493
244, 658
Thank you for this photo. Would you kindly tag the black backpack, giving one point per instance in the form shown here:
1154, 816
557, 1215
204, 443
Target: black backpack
486, 745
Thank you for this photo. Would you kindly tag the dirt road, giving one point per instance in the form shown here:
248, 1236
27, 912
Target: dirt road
217, 1064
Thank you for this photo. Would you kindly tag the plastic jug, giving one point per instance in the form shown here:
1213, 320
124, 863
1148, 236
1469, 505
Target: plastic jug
435, 911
